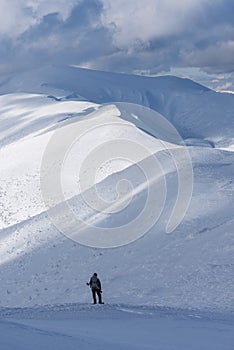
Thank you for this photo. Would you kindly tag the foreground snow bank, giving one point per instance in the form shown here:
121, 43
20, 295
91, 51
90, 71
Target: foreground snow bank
114, 327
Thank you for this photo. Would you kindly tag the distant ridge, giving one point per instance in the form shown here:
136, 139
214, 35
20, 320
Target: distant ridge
196, 111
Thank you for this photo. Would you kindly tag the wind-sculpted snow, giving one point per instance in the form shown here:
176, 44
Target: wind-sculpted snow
196, 111
191, 267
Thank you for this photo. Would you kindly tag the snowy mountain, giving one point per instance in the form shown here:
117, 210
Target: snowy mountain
189, 268
196, 111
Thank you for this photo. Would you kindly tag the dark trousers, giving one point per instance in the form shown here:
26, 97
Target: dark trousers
94, 292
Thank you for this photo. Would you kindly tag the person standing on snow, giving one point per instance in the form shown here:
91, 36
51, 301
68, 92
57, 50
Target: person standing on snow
96, 287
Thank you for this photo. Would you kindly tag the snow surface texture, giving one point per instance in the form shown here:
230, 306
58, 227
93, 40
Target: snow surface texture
190, 268
117, 327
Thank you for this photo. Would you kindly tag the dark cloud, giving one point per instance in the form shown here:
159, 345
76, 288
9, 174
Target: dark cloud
95, 35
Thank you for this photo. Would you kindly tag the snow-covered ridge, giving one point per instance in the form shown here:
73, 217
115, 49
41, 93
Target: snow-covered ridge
195, 111
193, 267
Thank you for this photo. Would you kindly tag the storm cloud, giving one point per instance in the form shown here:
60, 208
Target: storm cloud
149, 36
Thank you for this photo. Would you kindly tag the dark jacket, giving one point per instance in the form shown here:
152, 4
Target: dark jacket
95, 283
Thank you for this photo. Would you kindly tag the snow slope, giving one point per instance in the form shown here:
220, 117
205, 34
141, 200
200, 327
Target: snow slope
113, 327
196, 111
192, 267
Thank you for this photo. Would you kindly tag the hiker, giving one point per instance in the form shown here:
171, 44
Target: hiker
96, 287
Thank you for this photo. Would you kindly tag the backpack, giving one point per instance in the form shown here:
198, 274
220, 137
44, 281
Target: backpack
94, 282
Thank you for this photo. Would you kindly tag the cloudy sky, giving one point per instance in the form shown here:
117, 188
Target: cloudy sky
185, 37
